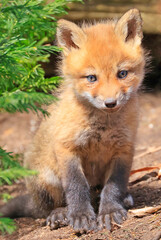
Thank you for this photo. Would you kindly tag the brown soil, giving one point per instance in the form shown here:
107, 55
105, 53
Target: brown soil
16, 133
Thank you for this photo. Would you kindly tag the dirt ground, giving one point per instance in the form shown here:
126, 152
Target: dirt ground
16, 132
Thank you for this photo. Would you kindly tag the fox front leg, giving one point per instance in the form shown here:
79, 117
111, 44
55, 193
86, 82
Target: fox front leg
80, 214
114, 197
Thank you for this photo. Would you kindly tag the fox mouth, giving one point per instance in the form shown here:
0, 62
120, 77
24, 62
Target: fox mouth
113, 109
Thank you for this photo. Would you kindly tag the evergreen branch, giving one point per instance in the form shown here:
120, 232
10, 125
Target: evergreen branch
7, 160
13, 49
27, 26
23, 101
10, 169
12, 174
7, 225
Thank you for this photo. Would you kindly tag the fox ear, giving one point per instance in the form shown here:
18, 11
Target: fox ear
129, 27
69, 35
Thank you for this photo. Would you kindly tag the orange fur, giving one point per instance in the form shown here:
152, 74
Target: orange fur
76, 127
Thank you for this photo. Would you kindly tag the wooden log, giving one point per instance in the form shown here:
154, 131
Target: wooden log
100, 9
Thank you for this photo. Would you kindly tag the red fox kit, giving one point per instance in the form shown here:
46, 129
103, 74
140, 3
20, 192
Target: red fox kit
88, 140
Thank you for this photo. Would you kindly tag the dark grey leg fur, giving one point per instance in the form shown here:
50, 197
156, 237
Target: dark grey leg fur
80, 211
26, 206
114, 198
21, 206
80, 214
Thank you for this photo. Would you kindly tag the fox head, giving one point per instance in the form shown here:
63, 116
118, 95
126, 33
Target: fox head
104, 63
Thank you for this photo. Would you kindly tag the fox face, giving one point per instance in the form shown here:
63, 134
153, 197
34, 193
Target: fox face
104, 63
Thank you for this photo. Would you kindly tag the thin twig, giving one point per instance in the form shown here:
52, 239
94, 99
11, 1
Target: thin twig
145, 211
145, 169
149, 151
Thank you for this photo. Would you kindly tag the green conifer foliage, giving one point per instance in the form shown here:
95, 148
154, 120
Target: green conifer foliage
27, 27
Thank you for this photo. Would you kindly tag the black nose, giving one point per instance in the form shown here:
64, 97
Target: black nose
110, 103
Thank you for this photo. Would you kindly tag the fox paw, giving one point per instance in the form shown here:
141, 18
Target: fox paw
111, 211
82, 221
57, 218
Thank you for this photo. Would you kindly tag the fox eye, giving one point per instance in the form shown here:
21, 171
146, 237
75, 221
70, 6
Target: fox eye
92, 78
122, 74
